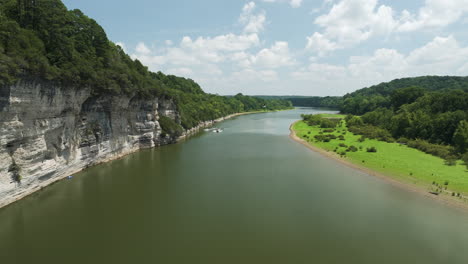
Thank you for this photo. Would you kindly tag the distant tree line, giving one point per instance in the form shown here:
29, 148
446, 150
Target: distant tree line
309, 101
44, 40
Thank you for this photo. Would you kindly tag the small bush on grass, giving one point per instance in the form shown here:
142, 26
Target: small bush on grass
352, 149
372, 150
451, 161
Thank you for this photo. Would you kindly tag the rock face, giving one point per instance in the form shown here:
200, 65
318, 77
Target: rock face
50, 132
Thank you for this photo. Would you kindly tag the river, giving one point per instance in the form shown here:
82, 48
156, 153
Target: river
247, 195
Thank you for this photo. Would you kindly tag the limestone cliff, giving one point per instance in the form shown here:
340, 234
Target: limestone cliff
50, 132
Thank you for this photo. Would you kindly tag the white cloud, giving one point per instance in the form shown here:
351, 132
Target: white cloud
250, 75
293, 3
320, 44
434, 14
276, 56
180, 71
441, 56
350, 22
142, 48
253, 22
228, 42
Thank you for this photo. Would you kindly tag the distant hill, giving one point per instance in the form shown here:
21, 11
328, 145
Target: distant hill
368, 99
307, 101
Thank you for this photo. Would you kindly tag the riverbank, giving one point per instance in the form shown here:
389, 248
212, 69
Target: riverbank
33, 187
405, 183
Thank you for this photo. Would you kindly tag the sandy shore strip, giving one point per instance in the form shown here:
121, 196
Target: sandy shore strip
447, 200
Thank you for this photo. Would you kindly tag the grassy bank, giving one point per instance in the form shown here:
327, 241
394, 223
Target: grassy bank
394, 160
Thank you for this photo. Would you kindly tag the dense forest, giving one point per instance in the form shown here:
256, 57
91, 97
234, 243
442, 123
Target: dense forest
429, 113
44, 40
434, 109
377, 96
308, 101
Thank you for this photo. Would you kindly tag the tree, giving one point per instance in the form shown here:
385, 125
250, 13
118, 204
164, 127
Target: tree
460, 138
407, 95
465, 159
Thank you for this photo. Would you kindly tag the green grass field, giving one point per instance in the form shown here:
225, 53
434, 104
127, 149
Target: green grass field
393, 159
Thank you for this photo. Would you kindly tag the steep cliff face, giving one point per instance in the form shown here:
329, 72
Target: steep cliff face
50, 132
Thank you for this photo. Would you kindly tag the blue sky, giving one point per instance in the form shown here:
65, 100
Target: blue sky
289, 47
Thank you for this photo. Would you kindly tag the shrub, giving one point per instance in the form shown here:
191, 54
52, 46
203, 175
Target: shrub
312, 120
354, 121
343, 145
352, 149
451, 161
403, 140
441, 151
169, 126
329, 130
372, 132
329, 123
372, 149
465, 159
362, 139
341, 137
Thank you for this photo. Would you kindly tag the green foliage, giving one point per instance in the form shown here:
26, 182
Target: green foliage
372, 150
313, 120
460, 137
406, 95
431, 109
451, 161
170, 127
464, 158
377, 96
352, 149
442, 151
373, 132
328, 101
352, 121
329, 123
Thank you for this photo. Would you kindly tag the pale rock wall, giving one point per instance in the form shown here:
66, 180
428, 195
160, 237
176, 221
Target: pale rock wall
52, 132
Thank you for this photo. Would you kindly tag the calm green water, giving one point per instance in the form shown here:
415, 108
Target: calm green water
247, 195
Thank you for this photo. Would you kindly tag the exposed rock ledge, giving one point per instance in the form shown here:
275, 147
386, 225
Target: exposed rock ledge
51, 132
